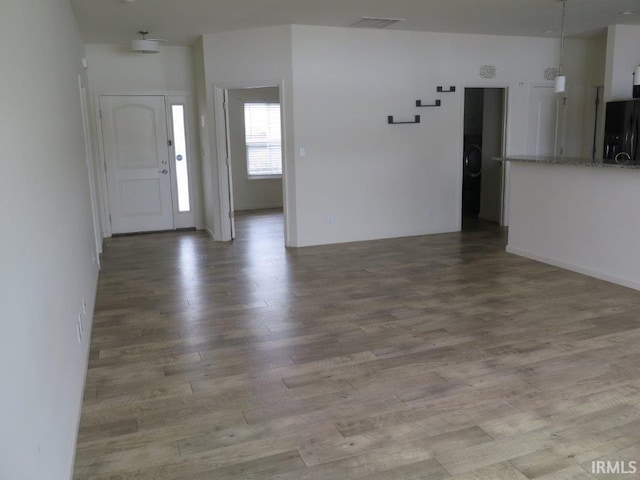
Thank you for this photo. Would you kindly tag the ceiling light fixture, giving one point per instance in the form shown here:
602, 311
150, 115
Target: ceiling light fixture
146, 45
561, 80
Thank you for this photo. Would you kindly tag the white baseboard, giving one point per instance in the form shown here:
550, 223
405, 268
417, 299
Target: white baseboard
266, 206
209, 232
625, 282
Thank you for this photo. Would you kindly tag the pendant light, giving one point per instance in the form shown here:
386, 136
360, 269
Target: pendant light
146, 45
561, 80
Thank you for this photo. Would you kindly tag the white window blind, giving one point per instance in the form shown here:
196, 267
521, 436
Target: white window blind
263, 139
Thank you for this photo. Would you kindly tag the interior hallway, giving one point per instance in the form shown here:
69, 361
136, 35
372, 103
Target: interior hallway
426, 357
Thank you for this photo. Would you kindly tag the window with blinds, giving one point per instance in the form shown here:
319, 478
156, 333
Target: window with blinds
263, 139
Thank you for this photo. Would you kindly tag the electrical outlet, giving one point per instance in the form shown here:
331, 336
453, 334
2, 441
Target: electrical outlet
84, 307
330, 220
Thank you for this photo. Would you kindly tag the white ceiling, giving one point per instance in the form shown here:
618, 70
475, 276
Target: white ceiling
183, 21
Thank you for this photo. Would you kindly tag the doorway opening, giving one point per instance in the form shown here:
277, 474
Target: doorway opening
255, 151
483, 140
255, 157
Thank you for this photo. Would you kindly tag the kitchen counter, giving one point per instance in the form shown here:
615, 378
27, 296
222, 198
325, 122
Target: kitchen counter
580, 162
576, 214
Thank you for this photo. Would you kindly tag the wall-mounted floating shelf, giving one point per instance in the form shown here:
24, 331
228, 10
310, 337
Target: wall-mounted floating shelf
392, 122
437, 104
442, 90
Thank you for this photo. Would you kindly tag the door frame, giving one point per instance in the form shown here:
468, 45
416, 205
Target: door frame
220, 90
192, 160
506, 114
89, 160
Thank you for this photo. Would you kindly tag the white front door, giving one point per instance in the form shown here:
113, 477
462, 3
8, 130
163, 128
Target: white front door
136, 149
543, 121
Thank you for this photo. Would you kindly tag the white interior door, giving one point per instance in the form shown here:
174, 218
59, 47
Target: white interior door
543, 120
229, 169
134, 130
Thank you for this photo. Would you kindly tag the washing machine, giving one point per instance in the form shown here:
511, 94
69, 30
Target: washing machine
472, 175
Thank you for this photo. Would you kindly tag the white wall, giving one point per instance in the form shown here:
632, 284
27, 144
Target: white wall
377, 180
250, 58
47, 244
208, 177
114, 69
371, 179
579, 218
250, 194
623, 55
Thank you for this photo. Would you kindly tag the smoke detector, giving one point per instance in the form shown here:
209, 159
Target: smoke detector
146, 45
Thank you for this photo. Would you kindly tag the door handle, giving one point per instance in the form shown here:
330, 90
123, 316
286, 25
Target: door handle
165, 171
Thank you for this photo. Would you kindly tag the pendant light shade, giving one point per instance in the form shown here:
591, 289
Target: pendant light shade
146, 45
561, 80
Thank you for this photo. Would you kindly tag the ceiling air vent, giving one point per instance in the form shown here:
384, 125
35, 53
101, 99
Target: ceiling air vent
375, 22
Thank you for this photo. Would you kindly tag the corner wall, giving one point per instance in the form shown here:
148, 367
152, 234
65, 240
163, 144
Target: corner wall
363, 179
623, 55
47, 246
562, 215
240, 59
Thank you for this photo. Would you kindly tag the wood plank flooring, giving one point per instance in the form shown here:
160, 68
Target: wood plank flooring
418, 358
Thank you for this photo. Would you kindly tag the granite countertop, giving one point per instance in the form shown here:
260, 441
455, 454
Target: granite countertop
552, 160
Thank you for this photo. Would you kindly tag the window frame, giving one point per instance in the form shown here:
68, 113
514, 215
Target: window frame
267, 143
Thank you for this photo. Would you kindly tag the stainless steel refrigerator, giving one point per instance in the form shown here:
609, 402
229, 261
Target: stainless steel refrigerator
621, 132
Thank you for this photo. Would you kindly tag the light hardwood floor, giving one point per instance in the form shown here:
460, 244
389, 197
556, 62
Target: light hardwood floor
417, 358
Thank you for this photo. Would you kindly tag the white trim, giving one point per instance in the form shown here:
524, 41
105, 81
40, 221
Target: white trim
209, 232
103, 197
224, 179
264, 177
145, 93
574, 268
263, 206
89, 160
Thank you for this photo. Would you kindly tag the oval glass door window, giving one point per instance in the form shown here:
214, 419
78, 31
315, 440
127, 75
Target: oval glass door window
181, 168
473, 161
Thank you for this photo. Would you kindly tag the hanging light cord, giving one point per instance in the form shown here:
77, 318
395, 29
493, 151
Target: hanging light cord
564, 7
